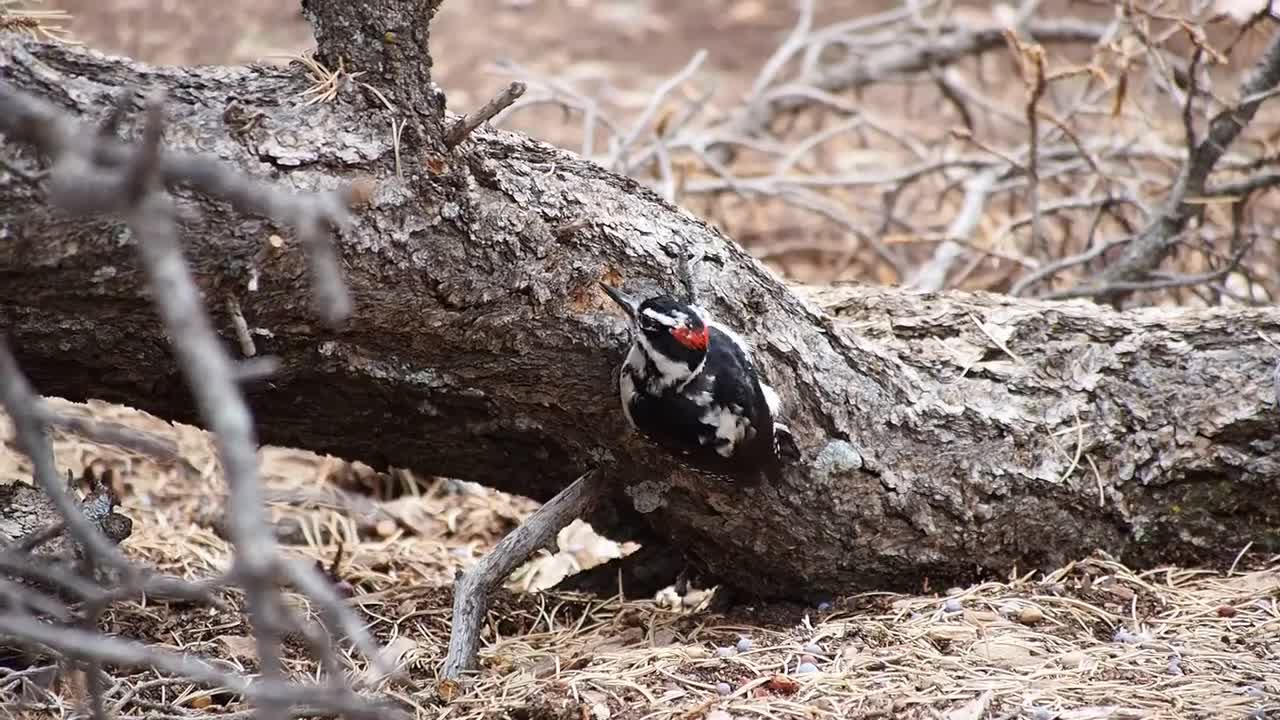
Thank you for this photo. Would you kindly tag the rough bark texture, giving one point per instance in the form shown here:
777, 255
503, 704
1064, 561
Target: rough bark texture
944, 436
29, 518
25, 511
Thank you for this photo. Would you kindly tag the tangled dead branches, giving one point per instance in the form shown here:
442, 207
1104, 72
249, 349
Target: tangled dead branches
96, 173
939, 147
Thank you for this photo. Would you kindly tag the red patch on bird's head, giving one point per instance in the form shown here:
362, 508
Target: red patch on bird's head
694, 339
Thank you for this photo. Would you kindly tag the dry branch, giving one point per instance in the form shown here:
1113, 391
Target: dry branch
85, 645
92, 174
159, 448
30, 422
1092, 148
1146, 250
466, 125
917, 52
472, 589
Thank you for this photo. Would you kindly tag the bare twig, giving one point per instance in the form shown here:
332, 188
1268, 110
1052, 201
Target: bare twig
94, 174
1157, 239
29, 419
468, 123
1158, 282
211, 376
932, 276
247, 347
1033, 56
472, 589
33, 540
1244, 188
138, 441
619, 159
901, 58
26, 119
85, 645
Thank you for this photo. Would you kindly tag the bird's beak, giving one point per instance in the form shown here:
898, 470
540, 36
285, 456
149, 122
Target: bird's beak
626, 302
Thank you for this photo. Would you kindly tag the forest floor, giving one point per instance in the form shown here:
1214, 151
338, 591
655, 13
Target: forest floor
1093, 640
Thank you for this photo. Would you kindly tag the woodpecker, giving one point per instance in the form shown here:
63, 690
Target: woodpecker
690, 385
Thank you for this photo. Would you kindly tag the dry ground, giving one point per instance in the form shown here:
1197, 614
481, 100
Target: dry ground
1093, 640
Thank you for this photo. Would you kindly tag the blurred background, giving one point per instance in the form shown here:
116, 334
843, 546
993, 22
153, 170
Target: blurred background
820, 191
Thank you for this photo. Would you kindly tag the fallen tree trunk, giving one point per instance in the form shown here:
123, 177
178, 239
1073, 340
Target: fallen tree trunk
944, 436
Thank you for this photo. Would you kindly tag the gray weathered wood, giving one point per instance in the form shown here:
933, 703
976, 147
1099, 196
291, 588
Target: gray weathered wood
472, 589
944, 435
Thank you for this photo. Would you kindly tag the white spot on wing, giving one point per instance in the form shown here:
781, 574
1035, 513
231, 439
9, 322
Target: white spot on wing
730, 428
772, 400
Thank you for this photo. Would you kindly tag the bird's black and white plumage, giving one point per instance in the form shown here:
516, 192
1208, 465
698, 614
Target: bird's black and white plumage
690, 385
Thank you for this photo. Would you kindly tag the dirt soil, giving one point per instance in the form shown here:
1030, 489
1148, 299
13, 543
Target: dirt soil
1093, 640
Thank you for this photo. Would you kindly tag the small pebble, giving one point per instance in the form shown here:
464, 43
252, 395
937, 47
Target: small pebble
744, 644
1043, 713
724, 652
808, 660
824, 606
1175, 665
952, 605
1226, 611
1030, 615
806, 668
812, 648
723, 688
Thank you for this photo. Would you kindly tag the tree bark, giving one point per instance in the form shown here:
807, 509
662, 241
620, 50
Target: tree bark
944, 436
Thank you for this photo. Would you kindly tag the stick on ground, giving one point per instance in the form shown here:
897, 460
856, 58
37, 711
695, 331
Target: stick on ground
472, 589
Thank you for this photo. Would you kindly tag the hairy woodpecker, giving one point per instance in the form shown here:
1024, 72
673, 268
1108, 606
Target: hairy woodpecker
690, 385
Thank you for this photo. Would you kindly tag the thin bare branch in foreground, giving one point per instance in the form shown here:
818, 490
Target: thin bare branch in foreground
26, 410
92, 646
26, 119
93, 173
